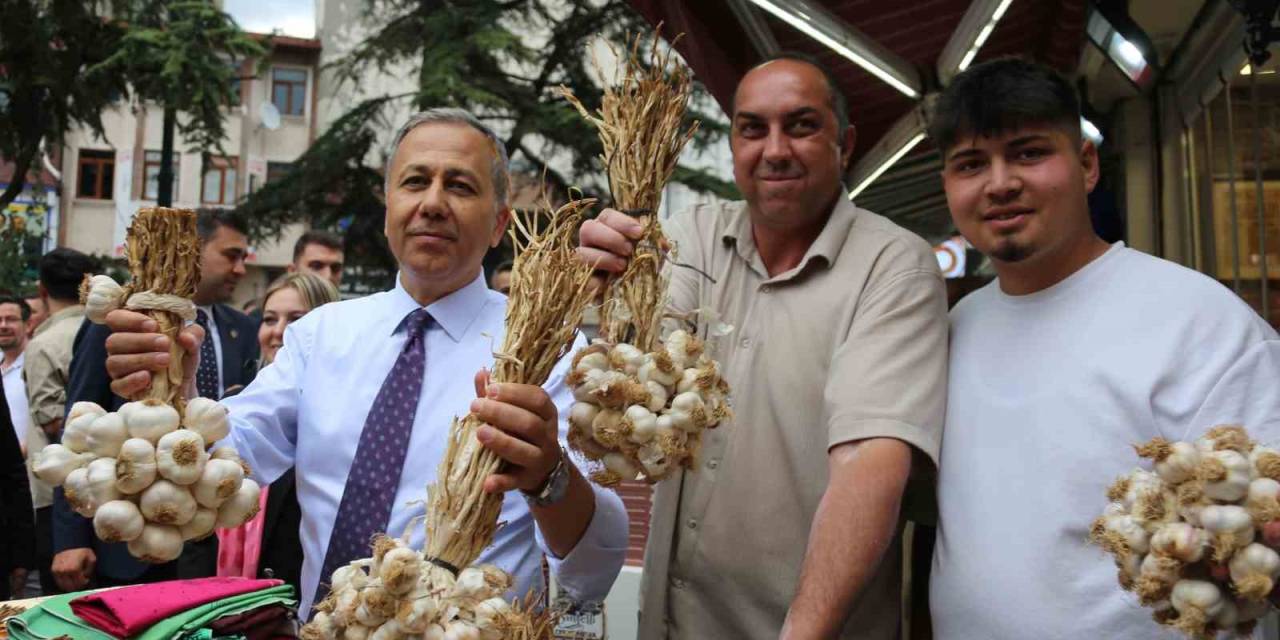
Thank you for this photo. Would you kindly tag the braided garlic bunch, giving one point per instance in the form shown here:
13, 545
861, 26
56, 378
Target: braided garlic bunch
641, 415
1186, 536
397, 594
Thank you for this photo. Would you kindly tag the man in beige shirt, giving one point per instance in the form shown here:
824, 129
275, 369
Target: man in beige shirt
48, 361
837, 363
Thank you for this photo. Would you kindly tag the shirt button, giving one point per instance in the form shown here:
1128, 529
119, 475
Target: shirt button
693, 523
746, 343
679, 584
713, 463
766, 289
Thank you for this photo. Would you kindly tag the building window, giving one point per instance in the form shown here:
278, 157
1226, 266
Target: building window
219, 184
97, 172
151, 174
289, 90
278, 170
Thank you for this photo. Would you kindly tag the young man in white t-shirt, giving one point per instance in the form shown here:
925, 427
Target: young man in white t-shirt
1079, 349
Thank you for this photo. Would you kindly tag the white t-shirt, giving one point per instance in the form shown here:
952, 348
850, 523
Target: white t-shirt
1047, 391
15, 393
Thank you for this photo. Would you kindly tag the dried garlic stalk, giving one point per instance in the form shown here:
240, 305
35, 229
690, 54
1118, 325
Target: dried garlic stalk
548, 297
639, 125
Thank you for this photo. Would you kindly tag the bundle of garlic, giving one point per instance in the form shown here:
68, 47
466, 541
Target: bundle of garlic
1186, 536
643, 402
397, 593
641, 415
145, 474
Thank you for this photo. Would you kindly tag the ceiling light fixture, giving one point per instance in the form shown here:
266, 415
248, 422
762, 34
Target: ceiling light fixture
824, 28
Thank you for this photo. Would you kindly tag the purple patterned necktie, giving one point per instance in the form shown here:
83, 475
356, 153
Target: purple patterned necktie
375, 473
207, 371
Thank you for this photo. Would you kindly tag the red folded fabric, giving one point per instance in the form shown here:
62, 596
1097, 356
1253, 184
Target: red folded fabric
263, 623
128, 611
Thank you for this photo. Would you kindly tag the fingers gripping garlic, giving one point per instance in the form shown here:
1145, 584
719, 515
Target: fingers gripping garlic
1254, 570
1226, 475
180, 456
118, 521
158, 543
241, 506
105, 435
149, 419
135, 466
207, 418
219, 480
53, 463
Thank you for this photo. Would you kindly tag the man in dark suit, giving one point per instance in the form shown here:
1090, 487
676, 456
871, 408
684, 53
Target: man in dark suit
17, 519
81, 559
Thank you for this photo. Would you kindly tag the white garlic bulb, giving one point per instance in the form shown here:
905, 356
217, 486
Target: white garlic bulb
149, 419
207, 418
200, 525
241, 506
103, 296
105, 435
158, 543
1254, 570
52, 463
167, 503
75, 431
1226, 475
135, 466
118, 521
101, 483
219, 480
180, 456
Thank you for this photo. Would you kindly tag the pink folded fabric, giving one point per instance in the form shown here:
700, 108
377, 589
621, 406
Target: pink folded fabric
128, 611
240, 548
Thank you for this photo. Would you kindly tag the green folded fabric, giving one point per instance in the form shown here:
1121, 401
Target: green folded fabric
53, 617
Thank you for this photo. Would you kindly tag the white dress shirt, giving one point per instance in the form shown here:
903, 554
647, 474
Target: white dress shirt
307, 409
15, 392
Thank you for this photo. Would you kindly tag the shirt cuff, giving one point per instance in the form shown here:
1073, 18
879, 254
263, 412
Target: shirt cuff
587, 573
46, 414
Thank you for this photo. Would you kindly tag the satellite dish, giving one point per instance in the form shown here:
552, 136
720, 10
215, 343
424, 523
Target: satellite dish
270, 116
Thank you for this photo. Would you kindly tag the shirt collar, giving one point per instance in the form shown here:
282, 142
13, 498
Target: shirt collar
73, 311
826, 246
454, 313
17, 364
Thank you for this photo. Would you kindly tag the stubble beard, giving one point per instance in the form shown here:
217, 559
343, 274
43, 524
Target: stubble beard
1009, 250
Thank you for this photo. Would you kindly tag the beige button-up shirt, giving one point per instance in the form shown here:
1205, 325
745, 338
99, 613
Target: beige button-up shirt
48, 363
851, 344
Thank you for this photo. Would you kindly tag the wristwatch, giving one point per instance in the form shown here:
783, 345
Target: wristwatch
554, 489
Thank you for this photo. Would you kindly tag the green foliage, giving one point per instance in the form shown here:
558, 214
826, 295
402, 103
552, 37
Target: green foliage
501, 60
46, 46
183, 54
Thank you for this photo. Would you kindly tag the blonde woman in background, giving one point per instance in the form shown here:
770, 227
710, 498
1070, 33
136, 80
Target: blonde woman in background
290, 297
268, 545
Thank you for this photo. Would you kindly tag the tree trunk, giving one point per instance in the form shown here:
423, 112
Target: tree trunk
164, 192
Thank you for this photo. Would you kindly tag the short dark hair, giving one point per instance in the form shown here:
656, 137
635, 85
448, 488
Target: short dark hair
316, 236
209, 219
839, 103
24, 309
62, 270
1000, 96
